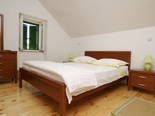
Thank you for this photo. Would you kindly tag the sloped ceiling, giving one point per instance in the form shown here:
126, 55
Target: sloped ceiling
91, 17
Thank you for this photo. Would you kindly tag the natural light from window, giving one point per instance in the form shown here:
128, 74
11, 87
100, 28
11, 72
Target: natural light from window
32, 33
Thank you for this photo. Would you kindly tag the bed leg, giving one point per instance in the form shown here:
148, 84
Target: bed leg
62, 109
63, 102
20, 79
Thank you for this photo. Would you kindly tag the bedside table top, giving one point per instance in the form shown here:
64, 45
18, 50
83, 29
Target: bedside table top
66, 61
142, 71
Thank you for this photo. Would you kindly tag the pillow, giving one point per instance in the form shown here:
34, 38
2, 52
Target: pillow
84, 59
110, 62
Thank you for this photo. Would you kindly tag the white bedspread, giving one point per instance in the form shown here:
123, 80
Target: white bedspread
76, 79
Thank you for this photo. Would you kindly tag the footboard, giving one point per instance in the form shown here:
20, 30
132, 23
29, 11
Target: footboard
54, 89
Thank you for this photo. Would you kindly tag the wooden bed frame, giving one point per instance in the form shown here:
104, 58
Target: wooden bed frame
56, 90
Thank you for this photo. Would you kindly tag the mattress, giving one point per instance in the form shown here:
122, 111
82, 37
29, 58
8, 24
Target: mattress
103, 74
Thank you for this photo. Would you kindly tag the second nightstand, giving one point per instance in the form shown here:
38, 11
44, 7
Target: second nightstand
142, 79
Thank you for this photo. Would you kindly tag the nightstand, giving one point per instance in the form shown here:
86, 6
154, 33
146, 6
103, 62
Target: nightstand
67, 61
142, 79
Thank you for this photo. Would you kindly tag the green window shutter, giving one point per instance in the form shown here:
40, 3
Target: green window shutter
34, 37
24, 36
33, 43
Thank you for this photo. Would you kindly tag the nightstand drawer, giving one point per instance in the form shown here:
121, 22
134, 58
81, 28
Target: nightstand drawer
7, 56
7, 76
143, 85
142, 77
7, 63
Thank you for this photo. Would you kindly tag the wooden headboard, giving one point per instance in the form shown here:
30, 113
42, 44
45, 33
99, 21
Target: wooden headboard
121, 55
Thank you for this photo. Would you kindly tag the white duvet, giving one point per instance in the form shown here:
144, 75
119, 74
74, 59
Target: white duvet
78, 77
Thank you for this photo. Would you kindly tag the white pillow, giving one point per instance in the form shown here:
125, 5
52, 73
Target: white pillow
110, 62
84, 59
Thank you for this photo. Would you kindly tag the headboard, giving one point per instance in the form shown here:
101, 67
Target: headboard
121, 55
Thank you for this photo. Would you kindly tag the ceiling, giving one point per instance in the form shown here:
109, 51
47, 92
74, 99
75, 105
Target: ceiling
91, 17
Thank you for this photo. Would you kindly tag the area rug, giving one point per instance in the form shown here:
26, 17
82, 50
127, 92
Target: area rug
135, 107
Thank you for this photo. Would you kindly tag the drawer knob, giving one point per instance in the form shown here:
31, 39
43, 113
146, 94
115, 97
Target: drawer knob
1, 63
0, 55
1, 77
142, 77
141, 85
1, 70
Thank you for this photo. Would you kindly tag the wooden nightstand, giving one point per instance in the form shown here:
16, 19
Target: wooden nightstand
142, 79
67, 61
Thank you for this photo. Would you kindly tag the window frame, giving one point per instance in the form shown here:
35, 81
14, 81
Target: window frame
42, 34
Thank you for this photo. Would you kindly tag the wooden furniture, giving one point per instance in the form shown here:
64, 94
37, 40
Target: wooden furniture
66, 61
142, 79
56, 90
8, 65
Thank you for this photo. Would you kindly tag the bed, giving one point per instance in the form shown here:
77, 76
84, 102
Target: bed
56, 89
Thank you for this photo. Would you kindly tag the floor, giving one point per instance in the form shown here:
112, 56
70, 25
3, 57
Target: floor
30, 101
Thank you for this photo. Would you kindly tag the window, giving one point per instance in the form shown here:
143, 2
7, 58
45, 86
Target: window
32, 33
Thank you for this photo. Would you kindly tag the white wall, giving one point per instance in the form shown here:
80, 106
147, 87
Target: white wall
132, 40
58, 42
